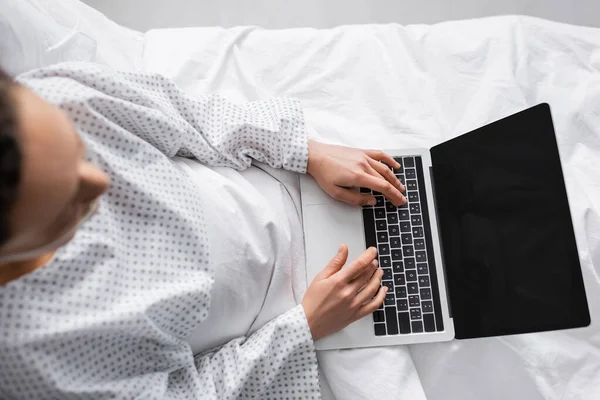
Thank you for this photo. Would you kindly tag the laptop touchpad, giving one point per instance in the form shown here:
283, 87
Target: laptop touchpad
325, 228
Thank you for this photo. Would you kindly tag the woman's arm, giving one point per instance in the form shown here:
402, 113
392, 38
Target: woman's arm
213, 130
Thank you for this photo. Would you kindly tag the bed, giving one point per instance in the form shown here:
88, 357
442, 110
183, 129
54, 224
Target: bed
386, 86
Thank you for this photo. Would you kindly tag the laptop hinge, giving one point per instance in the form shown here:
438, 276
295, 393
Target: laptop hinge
437, 221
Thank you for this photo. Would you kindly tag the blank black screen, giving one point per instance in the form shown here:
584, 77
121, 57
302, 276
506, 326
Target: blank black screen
507, 237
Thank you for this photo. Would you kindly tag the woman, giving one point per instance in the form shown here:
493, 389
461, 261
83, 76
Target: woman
141, 303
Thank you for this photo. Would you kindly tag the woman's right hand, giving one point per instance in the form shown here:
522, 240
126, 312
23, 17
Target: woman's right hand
336, 297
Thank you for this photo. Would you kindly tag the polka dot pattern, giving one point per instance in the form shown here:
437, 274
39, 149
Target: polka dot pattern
108, 316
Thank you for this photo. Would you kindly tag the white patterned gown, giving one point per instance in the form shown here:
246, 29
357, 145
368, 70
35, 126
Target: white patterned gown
111, 315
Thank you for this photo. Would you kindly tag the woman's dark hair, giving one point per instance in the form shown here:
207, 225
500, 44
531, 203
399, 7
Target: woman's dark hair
10, 153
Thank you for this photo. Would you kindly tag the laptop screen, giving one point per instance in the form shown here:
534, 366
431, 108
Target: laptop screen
508, 243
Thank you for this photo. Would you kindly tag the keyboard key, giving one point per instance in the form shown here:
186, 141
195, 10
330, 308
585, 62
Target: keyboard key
409, 263
396, 254
429, 322
411, 184
380, 213
397, 266
406, 238
368, 219
405, 226
415, 313
399, 280
365, 190
391, 321
389, 299
417, 231
387, 274
410, 173
416, 219
403, 206
395, 242
413, 301
409, 162
411, 275
421, 256
380, 307
427, 306
400, 292
412, 288
402, 305
379, 329
378, 316
408, 251
390, 286
389, 207
381, 225
382, 237
422, 269
401, 179
392, 218
385, 261
380, 201
384, 249
413, 196
415, 208
423, 281
401, 162
394, 230
403, 215
417, 326
404, 322
426, 294
419, 244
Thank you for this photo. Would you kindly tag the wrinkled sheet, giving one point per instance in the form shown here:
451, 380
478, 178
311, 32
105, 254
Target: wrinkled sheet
388, 86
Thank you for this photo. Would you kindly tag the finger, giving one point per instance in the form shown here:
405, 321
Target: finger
352, 197
364, 278
370, 289
336, 263
359, 265
384, 157
381, 185
370, 306
386, 173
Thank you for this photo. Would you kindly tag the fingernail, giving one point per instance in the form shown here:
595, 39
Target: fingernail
397, 165
374, 248
340, 248
385, 288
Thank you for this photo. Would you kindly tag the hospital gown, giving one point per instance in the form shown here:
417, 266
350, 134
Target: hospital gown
107, 318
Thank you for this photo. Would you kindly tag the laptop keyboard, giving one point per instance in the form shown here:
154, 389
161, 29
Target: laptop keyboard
403, 238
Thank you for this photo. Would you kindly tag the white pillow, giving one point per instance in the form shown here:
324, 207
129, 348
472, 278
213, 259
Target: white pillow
36, 33
30, 38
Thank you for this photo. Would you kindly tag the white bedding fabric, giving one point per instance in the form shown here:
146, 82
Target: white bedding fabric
391, 86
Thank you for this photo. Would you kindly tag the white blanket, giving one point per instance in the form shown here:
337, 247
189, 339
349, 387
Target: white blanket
391, 86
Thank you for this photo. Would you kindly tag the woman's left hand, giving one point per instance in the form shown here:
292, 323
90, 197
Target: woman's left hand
338, 168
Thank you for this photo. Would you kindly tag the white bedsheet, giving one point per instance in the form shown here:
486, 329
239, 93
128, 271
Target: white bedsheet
391, 86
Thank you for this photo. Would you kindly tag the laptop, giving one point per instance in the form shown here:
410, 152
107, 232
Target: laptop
484, 246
